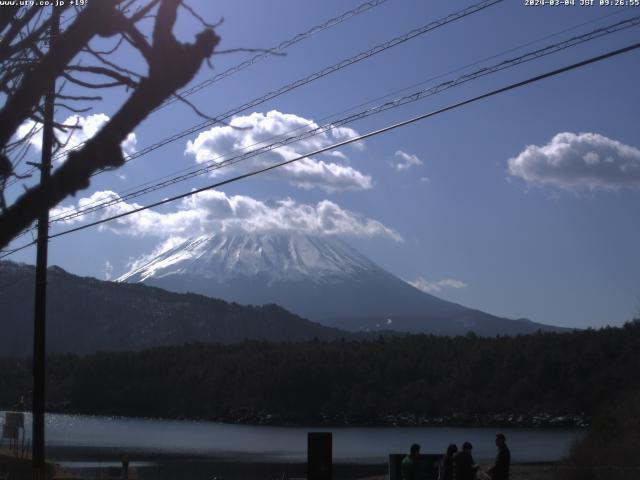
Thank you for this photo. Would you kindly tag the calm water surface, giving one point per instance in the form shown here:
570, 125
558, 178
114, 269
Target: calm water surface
359, 444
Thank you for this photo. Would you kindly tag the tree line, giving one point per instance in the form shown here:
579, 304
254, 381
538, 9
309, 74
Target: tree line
555, 373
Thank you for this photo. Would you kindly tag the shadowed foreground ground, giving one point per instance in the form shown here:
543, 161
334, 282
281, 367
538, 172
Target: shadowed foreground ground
233, 470
101, 463
159, 466
518, 472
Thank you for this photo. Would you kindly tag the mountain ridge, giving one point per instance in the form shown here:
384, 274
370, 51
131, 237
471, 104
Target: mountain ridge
87, 315
319, 278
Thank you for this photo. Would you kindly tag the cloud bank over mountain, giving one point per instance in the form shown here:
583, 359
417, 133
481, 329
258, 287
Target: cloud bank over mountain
215, 211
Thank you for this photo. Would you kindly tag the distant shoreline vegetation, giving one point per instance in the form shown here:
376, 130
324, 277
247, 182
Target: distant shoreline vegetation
541, 420
542, 380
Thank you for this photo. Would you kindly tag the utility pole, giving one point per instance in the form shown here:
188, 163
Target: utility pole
40, 306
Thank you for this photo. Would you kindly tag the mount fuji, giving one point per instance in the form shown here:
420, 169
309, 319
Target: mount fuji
320, 278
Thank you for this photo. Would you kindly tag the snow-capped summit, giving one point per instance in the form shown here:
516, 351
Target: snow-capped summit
274, 256
320, 278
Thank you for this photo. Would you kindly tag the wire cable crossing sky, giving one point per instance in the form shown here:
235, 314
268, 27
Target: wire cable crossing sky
346, 142
314, 76
214, 165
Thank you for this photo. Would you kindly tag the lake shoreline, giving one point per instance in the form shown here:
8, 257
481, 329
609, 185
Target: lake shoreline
114, 454
77, 438
405, 419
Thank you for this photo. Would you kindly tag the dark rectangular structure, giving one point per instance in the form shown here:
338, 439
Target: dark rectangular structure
319, 456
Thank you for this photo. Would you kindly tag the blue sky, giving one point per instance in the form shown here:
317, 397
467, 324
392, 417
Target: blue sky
522, 205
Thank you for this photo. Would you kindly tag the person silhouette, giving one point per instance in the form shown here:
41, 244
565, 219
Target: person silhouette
125, 466
500, 469
463, 465
409, 465
445, 469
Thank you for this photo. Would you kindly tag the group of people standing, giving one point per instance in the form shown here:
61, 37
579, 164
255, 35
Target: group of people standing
459, 464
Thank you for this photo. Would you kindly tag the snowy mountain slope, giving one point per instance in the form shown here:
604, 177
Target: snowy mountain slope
279, 257
320, 278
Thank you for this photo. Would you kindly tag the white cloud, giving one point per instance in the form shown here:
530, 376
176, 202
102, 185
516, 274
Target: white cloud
336, 153
89, 126
345, 133
32, 128
404, 161
258, 129
107, 270
212, 210
434, 287
130, 144
308, 173
577, 162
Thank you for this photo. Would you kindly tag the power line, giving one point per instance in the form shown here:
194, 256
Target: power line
362, 137
6, 253
419, 95
261, 56
277, 49
343, 17
396, 92
298, 83
310, 78
509, 87
247, 63
305, 80
597, 33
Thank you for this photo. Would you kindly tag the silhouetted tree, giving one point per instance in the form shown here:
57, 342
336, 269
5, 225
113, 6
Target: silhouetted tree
27, 71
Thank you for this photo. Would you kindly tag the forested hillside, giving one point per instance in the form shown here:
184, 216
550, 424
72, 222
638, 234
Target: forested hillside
341, 381
86, 315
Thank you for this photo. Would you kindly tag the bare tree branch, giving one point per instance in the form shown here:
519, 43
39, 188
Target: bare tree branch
57, 125
135, 38
162, 37
35, 81
199, 17
142, 12
172, 65
85, 84
7, 15
14, 30
66, 142
121, 79
72, 109
100, 57
194, 108
27, 40
78, 97
111, 50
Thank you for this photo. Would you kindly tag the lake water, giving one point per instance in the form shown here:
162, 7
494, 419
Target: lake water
355, 444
